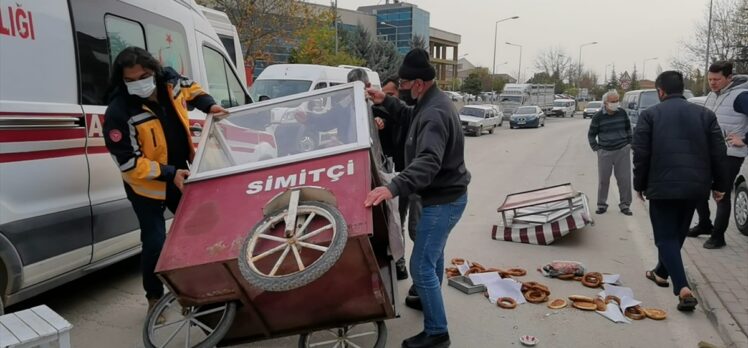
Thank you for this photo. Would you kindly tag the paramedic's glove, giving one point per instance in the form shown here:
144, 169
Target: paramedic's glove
376, 96
379, 122
218, 111
180, 177
378, 195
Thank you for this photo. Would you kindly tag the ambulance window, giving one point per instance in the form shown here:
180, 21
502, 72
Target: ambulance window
122, 33
228, 44
169, 47
321, 85
223, 85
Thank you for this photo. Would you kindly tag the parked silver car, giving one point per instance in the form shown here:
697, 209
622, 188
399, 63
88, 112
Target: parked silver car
592, 108
740, 209
478, 118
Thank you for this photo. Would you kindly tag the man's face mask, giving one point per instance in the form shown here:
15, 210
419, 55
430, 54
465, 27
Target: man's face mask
406, 92
142, 88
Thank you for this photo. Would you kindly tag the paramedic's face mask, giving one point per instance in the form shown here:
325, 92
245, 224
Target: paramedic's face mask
139, 81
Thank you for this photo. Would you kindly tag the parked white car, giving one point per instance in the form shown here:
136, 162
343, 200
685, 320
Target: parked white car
476, 119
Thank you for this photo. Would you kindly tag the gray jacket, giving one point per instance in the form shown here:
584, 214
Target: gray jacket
722, 103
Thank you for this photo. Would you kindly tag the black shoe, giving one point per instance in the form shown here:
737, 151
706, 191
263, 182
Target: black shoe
714, 243
401, 270
412, 291
422, 340
601, 211
414, 302
627, 212
699, 230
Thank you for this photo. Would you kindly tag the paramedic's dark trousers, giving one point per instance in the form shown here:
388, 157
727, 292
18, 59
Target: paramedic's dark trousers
722, 219
152, 235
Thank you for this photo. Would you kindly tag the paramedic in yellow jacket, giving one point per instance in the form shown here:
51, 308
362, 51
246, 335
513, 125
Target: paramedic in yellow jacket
146, 130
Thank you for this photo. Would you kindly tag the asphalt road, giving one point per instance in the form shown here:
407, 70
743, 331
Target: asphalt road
107, 308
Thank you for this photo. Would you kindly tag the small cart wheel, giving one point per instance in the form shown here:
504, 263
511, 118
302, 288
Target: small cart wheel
366, 335
194, 327
297, 255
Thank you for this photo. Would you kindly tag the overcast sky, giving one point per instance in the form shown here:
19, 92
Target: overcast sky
628, 31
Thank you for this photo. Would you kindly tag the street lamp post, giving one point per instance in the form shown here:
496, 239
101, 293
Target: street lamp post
390, 25
579, 63
519, 68
644, 67
495, 34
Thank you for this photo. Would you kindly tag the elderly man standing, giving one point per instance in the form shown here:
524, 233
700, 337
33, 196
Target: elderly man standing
435, 170
610, 137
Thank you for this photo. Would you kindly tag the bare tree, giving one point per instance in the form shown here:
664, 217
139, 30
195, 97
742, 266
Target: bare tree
419, 41
728, 31
554, 62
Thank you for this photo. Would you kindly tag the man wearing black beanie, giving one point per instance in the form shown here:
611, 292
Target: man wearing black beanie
435, 170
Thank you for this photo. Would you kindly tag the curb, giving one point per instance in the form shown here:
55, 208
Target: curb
715, 309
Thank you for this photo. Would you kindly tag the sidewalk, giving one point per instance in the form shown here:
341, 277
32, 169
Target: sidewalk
721, 282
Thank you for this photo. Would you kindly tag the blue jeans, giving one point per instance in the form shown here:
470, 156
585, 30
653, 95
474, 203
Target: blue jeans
427, 260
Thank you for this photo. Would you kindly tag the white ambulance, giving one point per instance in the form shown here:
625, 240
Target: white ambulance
63, 211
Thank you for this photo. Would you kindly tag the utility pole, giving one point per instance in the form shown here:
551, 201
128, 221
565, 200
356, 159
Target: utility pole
335, 14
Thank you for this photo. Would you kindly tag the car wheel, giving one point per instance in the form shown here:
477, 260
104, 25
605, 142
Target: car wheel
490, 131
263, 267
479, 132
740, 210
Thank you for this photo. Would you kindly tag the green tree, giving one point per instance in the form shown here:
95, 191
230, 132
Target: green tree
384, 58
317, 45
613, 82
472, 84
419, 41
359, 43
634, 80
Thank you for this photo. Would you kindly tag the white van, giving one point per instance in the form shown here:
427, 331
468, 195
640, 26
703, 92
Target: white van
280, 80
564, 108
229, 37
63, 210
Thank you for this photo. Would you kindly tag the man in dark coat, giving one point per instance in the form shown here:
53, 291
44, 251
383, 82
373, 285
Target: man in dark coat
679, 156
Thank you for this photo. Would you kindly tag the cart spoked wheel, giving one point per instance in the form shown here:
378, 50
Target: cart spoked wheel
293, 246
366, 335
194, 327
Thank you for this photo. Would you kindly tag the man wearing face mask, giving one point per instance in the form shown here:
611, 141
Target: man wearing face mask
146, 130
610, 136
435, 170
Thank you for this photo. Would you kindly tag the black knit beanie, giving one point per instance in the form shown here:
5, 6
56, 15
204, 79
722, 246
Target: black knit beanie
416, 65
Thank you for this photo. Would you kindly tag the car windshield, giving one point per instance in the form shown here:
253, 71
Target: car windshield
560, 103
278, 88
511, 99
648, 99
304, 126
472, 112
525, 110
594, 105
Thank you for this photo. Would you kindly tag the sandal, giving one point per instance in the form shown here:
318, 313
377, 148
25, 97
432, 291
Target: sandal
653, 277
687, 304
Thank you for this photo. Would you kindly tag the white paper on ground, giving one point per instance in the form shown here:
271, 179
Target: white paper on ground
505, 288
614, 314
612, 278
463, 268
625, 294
483, 278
